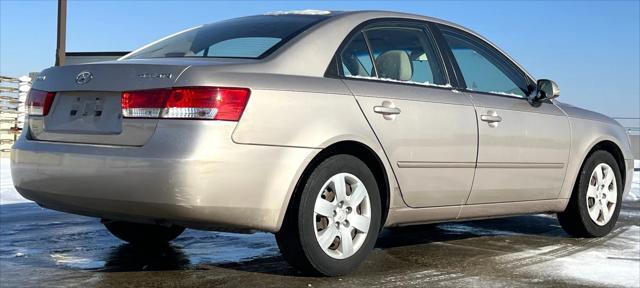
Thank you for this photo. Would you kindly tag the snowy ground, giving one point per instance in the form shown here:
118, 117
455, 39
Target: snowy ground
42, 246
634, 194
8, 194
616, 263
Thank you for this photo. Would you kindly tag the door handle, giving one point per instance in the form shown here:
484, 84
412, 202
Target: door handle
492, 118
386, 110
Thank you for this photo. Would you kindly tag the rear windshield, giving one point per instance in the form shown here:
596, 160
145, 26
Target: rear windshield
246, 37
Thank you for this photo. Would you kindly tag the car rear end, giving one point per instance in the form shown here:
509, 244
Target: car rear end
137, 155
120, 140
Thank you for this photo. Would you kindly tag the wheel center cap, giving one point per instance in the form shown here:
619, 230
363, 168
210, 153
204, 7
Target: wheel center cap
341, 215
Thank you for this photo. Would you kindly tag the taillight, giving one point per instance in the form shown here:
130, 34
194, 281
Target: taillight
39, 102
213, 103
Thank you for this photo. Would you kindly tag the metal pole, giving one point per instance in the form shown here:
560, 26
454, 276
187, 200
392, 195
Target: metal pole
62, 32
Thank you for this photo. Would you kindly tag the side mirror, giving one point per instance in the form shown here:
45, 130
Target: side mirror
545, 90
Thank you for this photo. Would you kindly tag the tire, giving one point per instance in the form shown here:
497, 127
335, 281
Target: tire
143, 234
576, 219
300, 235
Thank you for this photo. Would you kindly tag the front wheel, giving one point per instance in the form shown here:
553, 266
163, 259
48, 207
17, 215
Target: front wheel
595, 203
333, 223
143, 234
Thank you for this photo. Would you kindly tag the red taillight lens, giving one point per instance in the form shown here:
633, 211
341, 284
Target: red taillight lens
39, 102
213, 103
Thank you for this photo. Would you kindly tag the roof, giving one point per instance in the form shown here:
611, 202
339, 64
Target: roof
335, 29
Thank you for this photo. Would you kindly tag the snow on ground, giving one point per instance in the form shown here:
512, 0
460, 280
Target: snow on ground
615, 263
634, 194
8, 194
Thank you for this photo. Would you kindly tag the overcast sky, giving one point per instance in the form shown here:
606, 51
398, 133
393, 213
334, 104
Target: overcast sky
592, 49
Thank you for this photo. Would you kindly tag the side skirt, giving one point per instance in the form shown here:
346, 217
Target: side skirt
416, 216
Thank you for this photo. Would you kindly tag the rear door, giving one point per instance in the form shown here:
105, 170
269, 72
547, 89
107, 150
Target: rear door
523, 147
427, 130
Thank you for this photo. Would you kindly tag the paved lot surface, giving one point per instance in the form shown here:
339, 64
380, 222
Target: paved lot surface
40, 247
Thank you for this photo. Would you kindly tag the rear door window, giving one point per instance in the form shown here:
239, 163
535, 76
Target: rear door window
355, 58
405, 54
393, 53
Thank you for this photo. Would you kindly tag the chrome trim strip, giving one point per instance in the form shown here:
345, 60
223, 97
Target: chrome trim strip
489, 165
422, 164
518, 165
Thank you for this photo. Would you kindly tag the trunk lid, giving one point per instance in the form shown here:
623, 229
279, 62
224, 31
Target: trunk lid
88, 110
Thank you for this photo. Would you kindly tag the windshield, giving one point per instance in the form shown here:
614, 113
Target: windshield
246, 37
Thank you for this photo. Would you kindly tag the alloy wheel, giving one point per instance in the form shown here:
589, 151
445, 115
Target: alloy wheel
602, 194
342, 214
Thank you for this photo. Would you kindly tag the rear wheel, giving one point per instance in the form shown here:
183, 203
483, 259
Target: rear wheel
595, 203
143, 234
333, 222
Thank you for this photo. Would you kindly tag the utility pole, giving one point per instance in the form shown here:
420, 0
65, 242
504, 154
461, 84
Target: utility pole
62, 32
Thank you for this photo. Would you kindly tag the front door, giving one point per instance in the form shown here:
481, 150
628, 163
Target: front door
523, 148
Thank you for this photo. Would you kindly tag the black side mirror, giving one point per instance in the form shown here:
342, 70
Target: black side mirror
545, 90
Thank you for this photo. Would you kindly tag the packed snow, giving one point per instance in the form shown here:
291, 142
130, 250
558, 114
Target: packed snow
506, 94
615, 263
299, 12
77, 262
8, 194
428, 84
634, 193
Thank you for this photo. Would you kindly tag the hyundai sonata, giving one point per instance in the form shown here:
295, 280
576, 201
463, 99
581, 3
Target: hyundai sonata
321, 127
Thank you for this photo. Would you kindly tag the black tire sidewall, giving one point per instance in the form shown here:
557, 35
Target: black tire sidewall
594, 160
143, 234
320, 261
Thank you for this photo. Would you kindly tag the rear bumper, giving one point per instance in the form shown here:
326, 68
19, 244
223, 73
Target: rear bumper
189, 173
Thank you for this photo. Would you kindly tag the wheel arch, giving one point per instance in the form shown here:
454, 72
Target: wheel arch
573, 219
360, 151
610, 147
614, 150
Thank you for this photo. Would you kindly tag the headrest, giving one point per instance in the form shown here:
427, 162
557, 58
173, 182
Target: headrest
394, 64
